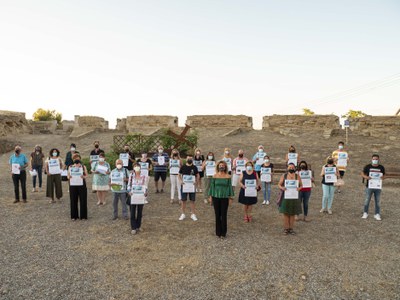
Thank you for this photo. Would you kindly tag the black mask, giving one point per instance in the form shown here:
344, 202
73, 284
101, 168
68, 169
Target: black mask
291, 171
189, 161
221, 169
96, 146
18, 151
77, 161
240, 155
303, 167
126, 150
291, 150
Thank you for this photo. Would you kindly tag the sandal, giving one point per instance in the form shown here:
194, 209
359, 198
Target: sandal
246, 219
286, 231
291, 231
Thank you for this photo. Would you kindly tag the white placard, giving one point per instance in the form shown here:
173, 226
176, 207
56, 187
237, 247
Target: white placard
251, 188
260, 158
266, 174
117, 180
144, 169
240, 166
291, 191
161, 160
210, 168
188, 184
342, 159
174, 167
76, 179
33, 173
125, 159
376, 180
94, 158
54, 166
137, 194
306, 178
64, 173
198, 164
102, 169
228, 161
292, 158
330, 175
16, 169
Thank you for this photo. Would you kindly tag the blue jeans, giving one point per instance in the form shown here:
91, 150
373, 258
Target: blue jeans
266, 188
39, 175
327, 196
368, 196
304, 198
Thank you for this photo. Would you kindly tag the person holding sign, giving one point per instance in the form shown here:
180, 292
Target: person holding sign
249, 184
292, 157
267, 171
239, 166
188, 176
127, 157
307, 179
138, 191
329, 176
77, 174
37, 162
227, 157
18, 163
290, 184
68, 158
209, 167
53, 167
175, 165
258, 159
101, 178
374, 173
341, 160
160, 161
118, 180
94, 154
198, 162
145, 165
221, 196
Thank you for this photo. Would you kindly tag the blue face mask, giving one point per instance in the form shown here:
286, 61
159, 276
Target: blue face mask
249, 168
375, 161
55, 154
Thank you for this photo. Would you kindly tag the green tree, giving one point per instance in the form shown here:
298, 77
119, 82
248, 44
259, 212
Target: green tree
353, 114
47, 115
308, 112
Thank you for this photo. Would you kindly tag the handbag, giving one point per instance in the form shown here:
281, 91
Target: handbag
280, 197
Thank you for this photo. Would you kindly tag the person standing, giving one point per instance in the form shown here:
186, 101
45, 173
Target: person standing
131, 157
68, 158
18, 163
250, 184
374, 173
210, 160
341, 160
258, 159
94, 154
160, 161
329, 174
101, 178
290, 184
175, 165
137, 181
118, 182
145, 165
266, 177
198, 160
37, 162
188, 177
238, 167
305, 193
292, 156
221, 196
77, 174
53, 166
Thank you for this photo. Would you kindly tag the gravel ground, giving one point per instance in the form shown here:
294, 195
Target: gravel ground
46, 256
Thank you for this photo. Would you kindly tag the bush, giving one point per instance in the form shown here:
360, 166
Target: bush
47, 115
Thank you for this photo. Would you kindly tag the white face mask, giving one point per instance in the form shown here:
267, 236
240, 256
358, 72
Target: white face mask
249, 168
119, 167
210, 157
266, 160
340, 147
375, 161
260, 150
137, 169
160, 151
55, 153
73, 149
101, 159
226, 152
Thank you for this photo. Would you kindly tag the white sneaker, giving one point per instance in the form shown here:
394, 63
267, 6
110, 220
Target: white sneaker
146, 201
378, 217
267, 202
193, 217
182, 217
364, 216
33, 190
264, 202
322, 210
133, 232
329, 211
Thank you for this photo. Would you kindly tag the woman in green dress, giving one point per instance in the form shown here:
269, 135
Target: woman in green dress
290, 184
221, 196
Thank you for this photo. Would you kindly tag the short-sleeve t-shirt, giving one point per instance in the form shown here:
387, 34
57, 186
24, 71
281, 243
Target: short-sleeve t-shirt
188, 170
370, 168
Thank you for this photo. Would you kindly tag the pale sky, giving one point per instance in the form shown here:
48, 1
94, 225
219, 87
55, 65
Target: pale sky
119, 58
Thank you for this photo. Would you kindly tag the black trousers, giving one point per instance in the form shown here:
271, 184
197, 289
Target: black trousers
78, 194
221, 212
16, 179
136, 215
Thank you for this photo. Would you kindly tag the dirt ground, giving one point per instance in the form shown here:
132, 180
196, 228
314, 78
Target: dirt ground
44, 255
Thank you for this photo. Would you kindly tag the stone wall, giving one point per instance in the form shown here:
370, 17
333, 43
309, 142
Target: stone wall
377, 126
91, 122
293, 125
44, 127
220, 121
148, 122
12, 123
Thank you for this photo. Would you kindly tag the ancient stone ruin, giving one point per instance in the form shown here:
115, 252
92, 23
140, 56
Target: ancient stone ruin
146, 124
220, 121
85, 125
377, 126
12, 123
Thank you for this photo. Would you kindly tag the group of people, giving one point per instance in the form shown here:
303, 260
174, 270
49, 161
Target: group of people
129, 181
